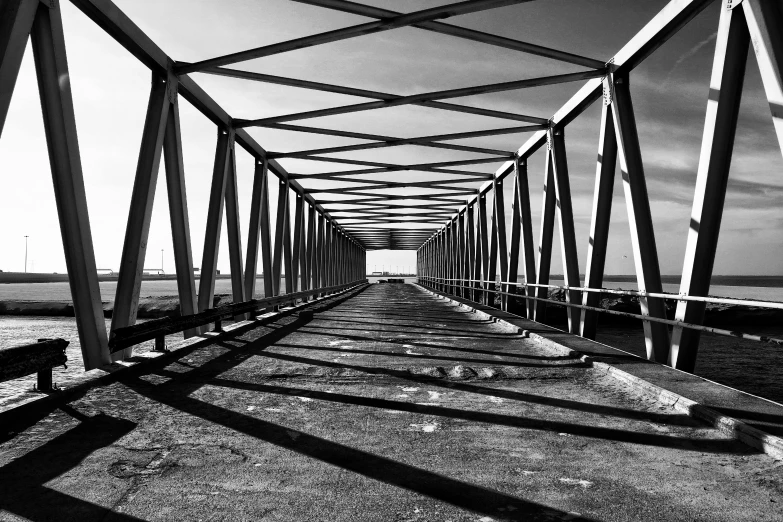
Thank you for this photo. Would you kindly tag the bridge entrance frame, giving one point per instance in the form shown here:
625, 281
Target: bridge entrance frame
463, 256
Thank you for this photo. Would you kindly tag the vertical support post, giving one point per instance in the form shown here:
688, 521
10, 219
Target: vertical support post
493, 257
446, 240
430, 262
484, 240
232, 226
290, 283
266, 237
328, 259
340, 256
444, 259
321, 253
342, 259
51, 67
452, 256
419, 254
312, 264
16, 22
347, 256
514, 247
296, 254
334, 255
523, 214
601, 214
648, 273
337, 243
470, 265
44, 380
280, 225
499, 220
424, 274
565, 218
206, 287
545, 238
464, 265
259, 215
728, 74
437, 260
134, 249
178, 212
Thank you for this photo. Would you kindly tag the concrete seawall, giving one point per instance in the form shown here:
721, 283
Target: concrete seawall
149, 307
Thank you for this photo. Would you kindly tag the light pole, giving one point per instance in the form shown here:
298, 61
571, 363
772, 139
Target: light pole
161, 261
25, 254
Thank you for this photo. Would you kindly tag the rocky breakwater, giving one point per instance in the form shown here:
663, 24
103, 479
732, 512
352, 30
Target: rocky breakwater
716, 315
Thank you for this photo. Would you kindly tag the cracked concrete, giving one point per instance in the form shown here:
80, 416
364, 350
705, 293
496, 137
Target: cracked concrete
327, 416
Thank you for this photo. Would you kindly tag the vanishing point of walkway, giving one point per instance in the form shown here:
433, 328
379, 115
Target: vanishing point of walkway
385, 404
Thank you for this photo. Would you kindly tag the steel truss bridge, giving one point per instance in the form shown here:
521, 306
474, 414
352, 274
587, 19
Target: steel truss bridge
326, 246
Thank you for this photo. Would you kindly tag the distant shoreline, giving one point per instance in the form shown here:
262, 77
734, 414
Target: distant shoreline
769, 281
29, 278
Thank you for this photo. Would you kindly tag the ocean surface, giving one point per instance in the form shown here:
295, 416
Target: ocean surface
747, 365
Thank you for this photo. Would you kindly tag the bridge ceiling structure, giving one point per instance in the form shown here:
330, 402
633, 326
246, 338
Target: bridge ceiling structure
372, 200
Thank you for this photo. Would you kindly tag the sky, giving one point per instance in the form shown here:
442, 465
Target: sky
111, 90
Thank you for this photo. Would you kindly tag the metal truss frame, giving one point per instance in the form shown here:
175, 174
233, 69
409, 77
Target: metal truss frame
320, 242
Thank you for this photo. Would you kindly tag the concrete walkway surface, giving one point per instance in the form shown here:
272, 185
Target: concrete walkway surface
383, 404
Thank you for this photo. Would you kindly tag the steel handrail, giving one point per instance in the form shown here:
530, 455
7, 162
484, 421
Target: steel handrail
671, 322
638, 293
132, 335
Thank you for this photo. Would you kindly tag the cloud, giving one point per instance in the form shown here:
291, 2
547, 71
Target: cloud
689, 54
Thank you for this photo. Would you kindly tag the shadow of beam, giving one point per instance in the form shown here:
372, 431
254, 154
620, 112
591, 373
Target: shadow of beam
455, 492
22, 490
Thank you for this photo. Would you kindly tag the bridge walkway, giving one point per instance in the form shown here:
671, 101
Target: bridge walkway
388, 404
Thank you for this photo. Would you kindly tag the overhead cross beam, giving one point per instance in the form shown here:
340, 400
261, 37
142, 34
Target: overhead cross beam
426, 210
460, 32
387, 197
337, 176
338, 89
387, 212
390, 167
390, 238
386, 186
433, 183
388, 207
385, 141
430, 96
426, 15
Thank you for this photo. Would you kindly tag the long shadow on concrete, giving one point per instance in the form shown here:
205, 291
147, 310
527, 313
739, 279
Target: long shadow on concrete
325, 331
408, 341
22, 490
462, 494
